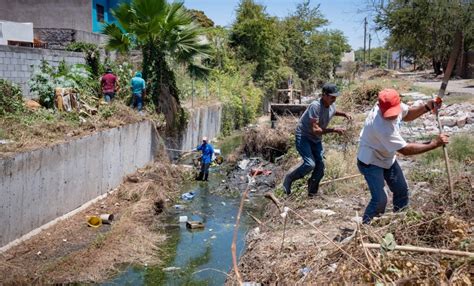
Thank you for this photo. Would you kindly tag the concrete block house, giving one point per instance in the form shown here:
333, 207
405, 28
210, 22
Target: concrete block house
59, 22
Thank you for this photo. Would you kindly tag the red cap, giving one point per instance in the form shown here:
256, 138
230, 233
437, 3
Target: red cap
389, 102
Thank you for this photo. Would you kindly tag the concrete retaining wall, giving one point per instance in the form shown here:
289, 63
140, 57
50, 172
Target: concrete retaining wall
203, 121
17, 64
39, 186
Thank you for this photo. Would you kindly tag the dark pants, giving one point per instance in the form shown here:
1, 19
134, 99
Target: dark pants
312, 154
109, 96
375, 177
137, 101
204, 173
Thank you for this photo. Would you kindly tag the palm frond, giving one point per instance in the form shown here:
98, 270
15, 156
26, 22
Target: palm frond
124, 16
198, 71
117, 40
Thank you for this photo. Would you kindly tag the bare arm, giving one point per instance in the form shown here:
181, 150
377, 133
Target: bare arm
417, 111
343, 114
317, 130
418, 148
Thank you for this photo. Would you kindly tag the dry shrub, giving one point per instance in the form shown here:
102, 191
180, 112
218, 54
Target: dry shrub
376, 73
269, 143
365, 95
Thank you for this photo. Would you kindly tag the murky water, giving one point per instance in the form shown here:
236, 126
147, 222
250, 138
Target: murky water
198, 257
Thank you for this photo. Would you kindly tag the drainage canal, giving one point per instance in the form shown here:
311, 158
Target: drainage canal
200, 256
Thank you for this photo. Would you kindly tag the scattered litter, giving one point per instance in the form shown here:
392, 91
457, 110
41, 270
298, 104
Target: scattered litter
210, 229
183, 218
188, 196
304, 271
64, 240
5, 141
251, 284
107, 218
223, 181
244, 163
333, 267
213, 237
223, 203
38, 253
117, 204
178, 207
94, 221
324, 212
257, 172
172, 268
194, 224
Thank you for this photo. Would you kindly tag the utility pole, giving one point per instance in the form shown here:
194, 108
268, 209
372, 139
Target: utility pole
365, 37
370, 40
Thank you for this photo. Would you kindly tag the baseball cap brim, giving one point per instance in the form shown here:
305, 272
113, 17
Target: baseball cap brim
336, 94
392, 111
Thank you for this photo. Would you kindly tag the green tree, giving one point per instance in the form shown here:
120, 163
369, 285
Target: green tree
165, 33
256, 38
378, 56
201, 18
313, 54
426, 28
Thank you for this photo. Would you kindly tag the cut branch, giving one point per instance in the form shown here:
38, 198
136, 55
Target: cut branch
423, 249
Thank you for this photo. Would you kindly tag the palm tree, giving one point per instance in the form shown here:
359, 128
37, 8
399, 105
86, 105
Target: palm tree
165, 33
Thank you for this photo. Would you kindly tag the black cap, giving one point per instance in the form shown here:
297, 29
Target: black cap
330, 89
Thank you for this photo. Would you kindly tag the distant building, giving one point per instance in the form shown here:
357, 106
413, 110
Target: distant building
348, 57
13, 33
59, 22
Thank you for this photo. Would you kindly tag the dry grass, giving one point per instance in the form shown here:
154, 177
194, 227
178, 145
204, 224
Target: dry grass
267, 142
36, 129
72, 252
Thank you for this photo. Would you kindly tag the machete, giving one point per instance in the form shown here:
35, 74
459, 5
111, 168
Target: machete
447, 74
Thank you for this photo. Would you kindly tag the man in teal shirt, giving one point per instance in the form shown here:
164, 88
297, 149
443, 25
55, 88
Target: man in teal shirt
138, 90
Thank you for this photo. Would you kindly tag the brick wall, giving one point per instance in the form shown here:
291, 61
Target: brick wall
18, 63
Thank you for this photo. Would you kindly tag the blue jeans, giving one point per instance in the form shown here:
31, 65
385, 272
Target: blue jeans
109, 96
137, 101
312, 154
375, 177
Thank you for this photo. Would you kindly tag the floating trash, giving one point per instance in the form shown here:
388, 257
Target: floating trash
188, 196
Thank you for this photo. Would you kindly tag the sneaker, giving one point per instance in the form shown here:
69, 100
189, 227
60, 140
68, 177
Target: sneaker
287, 185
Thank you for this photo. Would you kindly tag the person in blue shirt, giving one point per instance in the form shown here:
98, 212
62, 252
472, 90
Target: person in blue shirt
206, 158
138, 91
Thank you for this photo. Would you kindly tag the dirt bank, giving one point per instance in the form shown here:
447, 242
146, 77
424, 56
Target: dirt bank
70, 251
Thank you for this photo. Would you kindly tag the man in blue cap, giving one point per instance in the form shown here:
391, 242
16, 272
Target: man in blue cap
311, 126
138, 91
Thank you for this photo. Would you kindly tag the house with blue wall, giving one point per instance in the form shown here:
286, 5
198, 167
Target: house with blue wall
59, 22
101, 13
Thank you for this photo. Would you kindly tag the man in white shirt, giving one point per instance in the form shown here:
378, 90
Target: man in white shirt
380, 139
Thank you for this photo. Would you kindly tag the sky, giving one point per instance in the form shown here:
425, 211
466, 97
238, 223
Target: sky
344, 15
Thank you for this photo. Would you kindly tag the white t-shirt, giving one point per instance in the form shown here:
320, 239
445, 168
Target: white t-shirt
380, 139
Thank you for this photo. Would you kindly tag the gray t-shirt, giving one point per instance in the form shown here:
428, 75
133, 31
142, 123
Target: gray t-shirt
322, 114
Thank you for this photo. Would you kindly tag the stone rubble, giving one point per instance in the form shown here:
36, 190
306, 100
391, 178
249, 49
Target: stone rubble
455, 118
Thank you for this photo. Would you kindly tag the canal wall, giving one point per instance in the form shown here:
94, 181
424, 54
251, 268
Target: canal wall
203, 121
40, 186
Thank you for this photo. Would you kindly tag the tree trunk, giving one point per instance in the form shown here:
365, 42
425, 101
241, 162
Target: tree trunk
166, 95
